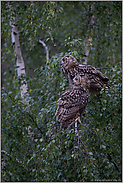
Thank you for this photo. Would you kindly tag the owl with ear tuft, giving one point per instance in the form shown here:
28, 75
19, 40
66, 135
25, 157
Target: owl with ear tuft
70, 68
72, 103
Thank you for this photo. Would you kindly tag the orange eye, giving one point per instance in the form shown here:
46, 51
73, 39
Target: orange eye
76, 79
63, 59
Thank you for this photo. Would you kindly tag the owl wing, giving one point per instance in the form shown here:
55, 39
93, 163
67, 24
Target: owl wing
95, 77
73, 97
70, 103
63, 114
90, 70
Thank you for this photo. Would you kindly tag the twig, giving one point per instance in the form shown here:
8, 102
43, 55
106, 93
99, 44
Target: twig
84, 146
65, 131
46, 49
85, 7
2, 151
116, 166
68, 128
35, 123
76, 132
7, 93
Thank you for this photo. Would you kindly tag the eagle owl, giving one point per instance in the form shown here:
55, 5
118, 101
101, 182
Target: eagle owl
72, 102
70, 68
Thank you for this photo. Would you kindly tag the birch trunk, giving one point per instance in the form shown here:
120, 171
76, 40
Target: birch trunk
88, 40
20, 62
87, 44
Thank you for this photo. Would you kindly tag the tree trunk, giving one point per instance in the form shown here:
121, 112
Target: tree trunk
20, 62
88, 40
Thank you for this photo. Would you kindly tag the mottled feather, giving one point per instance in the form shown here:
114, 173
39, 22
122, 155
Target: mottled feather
72, 103
70, 68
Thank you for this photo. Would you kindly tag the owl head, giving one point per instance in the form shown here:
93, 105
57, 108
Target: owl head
68, 62
81, 81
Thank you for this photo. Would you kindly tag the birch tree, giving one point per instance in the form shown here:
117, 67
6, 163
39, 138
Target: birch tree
87, 42
18, 54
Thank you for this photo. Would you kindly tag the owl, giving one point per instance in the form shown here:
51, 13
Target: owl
72, 102
70, 68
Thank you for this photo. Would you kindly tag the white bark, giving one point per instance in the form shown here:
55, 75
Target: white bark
46, 49
76, 128
20, 62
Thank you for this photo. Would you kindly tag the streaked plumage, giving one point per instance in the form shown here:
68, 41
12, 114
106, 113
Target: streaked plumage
72, 102
70, 68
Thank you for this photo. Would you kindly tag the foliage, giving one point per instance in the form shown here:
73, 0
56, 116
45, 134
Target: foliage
44, 152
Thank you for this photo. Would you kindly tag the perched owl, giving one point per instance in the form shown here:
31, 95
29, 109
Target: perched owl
72, 102
70, 68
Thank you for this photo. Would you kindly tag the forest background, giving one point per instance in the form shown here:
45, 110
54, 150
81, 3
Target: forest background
34, 147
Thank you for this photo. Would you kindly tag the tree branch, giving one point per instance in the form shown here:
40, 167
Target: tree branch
2, 151
35, 123
46, 49
110, 158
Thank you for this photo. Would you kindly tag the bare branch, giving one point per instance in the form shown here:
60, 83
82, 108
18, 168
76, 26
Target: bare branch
2, 151
76, 131
111, 159
46, 49
35, 123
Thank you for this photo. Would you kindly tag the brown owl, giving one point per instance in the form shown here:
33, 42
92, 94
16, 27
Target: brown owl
72, 102
70, 68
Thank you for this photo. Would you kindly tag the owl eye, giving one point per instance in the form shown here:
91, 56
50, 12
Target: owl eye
76, 79
63, 59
